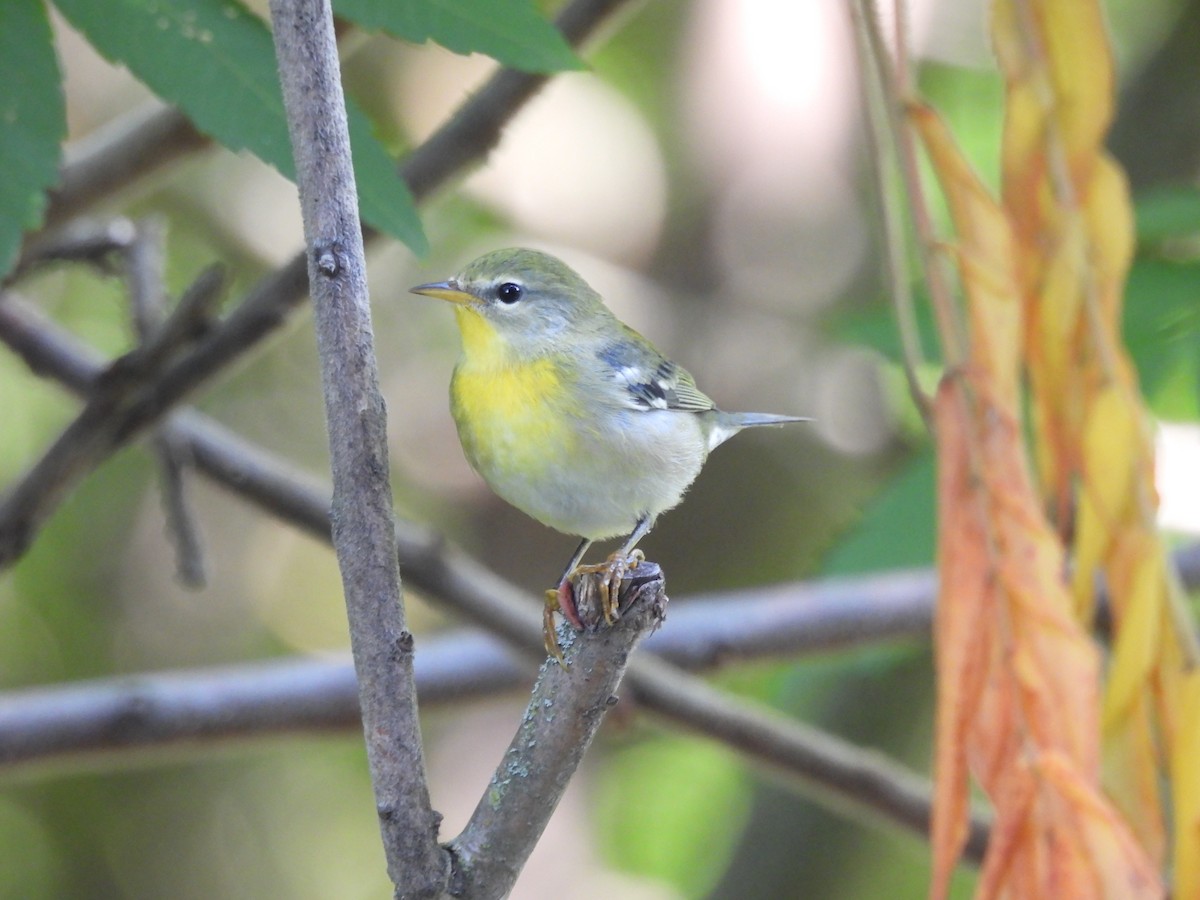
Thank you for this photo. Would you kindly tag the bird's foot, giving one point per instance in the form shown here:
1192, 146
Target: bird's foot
562, 599
612, 571
605, 590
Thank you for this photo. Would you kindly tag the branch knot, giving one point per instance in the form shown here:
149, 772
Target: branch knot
328, 258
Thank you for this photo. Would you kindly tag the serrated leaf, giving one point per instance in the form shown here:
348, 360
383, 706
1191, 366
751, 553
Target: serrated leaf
216, 61
33, 120
510, 31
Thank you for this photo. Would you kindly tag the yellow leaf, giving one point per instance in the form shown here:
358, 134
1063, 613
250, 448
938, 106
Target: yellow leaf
1139, 636
1111, 236
1109, 466
1131, 776
962, 658
1185, 769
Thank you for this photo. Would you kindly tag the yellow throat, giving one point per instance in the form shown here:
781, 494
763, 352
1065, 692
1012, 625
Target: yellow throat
506, 407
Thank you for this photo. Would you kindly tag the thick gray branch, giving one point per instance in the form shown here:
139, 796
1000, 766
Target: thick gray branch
834, 769
363, 533
125, 718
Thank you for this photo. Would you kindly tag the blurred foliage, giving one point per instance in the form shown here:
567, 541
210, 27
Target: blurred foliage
655, 783
96, 594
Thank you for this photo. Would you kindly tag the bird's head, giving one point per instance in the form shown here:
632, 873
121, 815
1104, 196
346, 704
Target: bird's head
528, 300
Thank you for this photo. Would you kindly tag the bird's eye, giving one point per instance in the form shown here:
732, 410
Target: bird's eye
509, 292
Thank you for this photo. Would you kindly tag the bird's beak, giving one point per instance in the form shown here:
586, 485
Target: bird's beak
444, 290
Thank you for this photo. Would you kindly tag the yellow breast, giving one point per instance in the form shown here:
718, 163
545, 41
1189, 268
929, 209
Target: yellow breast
511, 413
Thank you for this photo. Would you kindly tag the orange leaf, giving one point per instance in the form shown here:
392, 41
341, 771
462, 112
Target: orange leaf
1107, 857
1017, 678
1072, 220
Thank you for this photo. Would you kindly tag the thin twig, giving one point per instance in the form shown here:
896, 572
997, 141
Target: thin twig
119, 154
900, 92
85, 240
93, 432
361, 514
182, 525
879, 117
146, 279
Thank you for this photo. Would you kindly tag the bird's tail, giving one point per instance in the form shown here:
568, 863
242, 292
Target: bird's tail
728, 424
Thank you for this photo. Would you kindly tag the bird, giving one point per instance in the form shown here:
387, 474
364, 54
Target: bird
573, 417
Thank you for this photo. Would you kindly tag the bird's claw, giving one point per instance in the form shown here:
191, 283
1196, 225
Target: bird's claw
549, 633
613, 570
562, 599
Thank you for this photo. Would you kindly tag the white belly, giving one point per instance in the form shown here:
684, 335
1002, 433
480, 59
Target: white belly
602, 476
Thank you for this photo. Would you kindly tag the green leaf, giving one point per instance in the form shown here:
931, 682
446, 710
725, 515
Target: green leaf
873, 324
511, 31
898, 529
1162, 331
33, 120
1168, 213
383, 198
216, 61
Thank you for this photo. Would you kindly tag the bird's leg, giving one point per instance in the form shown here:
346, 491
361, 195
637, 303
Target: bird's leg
615, 567
562, 598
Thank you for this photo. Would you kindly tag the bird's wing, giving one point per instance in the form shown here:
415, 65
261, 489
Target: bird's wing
649, 379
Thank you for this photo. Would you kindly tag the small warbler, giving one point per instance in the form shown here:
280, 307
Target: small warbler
572, 416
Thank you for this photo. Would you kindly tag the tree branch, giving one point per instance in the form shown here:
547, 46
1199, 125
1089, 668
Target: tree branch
144, 262
88, 437
564, 713
144, 140
475, 128
836, 770
114, 157
47, 728
85, 240
363, 533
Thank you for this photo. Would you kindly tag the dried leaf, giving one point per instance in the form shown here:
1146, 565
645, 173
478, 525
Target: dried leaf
1018, 678
1069, 205
1186, 774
